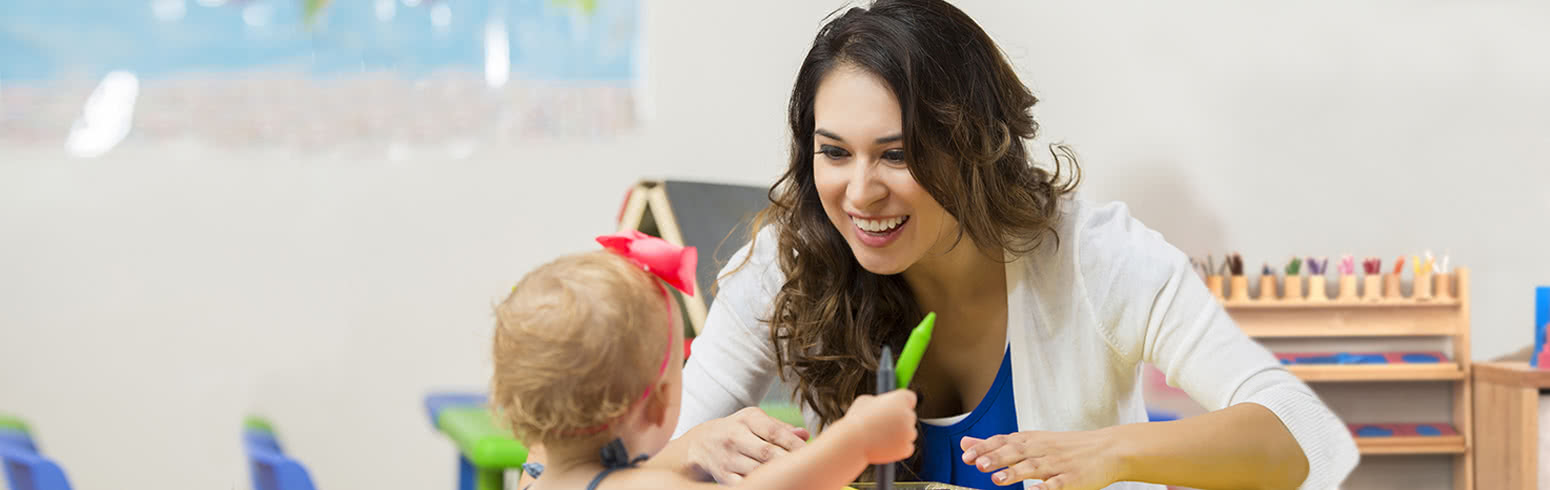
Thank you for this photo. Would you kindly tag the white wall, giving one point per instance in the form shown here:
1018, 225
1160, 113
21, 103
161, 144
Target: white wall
148, 300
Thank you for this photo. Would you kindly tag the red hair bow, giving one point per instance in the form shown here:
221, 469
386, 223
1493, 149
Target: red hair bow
672, 263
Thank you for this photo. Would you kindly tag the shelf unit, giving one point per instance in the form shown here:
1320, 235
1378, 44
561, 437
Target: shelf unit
1391, 315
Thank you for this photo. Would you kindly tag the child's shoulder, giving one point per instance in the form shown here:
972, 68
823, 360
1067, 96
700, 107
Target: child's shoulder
650, 479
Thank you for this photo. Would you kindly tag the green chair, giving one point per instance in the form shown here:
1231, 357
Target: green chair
485, 452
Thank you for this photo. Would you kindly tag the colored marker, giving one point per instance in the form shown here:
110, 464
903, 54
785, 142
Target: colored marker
914, 349
885, 383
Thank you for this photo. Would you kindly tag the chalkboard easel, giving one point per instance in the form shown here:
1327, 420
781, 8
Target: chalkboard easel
712, 217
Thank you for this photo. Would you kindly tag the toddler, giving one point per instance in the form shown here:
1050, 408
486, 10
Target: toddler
588, 363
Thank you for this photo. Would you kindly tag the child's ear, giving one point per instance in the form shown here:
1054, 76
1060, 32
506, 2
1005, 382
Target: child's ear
656, 406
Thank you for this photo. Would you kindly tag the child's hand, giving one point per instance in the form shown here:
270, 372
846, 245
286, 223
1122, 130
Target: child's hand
883, 425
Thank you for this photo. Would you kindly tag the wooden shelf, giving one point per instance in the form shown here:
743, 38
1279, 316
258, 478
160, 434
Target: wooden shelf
1453, 444
1336, 305
1377, 372
1268, 330
1348, 322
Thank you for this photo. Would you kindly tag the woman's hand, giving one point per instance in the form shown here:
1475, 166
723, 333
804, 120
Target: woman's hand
1084, 460
731, 447
883, 426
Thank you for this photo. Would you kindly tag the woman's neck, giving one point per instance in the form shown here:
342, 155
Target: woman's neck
964, 275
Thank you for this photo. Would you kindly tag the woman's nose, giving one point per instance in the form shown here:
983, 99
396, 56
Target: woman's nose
865, 189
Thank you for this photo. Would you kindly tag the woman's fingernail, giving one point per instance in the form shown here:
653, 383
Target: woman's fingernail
1001, 477
983, 463
968, 457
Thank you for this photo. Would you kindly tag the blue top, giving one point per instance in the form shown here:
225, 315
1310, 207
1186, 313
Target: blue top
941, 453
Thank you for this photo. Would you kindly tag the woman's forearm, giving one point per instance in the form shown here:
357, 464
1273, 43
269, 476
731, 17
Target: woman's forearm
1243, 446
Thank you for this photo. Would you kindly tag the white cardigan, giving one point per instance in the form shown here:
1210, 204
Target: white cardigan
1081, 318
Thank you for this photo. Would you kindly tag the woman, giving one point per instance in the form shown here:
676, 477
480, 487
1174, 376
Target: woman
910, 190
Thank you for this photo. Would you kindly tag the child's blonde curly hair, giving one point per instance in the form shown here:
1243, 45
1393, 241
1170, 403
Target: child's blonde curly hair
576, 344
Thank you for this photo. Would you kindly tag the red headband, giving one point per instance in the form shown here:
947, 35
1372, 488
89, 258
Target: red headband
671, 263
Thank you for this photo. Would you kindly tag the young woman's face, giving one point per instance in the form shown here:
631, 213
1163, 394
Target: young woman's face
868, 193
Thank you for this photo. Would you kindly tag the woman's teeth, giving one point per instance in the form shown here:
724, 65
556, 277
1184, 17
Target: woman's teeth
879, 225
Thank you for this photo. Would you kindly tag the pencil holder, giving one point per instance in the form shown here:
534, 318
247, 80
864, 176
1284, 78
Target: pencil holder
1372, 288
1293, 290
1240, 288
1214, 283
1442, 285
1347, 289
1391, 290
1267, 288
1316, 290
1421, 288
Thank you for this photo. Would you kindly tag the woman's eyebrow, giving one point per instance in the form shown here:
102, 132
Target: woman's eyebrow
883, 140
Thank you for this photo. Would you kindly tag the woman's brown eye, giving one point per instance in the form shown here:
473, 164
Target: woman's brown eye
894, 155
833, 152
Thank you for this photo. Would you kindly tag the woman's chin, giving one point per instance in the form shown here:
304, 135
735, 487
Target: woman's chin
880, 264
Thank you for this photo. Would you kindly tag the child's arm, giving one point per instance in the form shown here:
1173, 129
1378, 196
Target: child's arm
831, 462
878, 429
875, 430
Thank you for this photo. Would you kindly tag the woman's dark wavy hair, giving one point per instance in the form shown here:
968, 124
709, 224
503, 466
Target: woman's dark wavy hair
966, 119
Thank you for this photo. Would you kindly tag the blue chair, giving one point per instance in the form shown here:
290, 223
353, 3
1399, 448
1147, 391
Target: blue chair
25, 469
436, 402
14, 432
17, 439
268, 464
262, 441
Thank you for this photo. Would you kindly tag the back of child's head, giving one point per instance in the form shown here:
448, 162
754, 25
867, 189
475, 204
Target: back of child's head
576, 343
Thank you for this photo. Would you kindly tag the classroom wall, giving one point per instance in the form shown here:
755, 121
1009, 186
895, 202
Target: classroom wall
150, 298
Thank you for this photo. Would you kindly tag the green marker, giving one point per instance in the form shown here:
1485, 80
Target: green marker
914, 349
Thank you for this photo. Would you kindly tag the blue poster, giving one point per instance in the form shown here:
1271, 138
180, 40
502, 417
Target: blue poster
315, 74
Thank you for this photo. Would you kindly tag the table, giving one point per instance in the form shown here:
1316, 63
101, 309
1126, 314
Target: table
1507, 425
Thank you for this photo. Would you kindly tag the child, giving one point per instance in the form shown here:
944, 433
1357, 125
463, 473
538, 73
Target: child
588, 365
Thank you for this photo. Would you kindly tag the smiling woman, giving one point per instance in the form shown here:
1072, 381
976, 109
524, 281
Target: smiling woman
876, 164
910, 189
902, 157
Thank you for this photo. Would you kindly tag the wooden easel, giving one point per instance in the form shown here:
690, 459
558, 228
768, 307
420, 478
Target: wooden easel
711, 217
